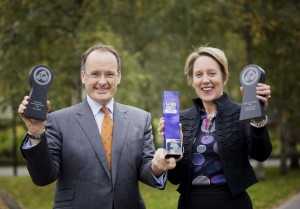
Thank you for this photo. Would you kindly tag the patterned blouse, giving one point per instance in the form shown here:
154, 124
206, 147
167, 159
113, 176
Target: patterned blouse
207, 168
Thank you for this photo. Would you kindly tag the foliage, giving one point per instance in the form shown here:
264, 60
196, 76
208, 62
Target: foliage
153, 38
6, 147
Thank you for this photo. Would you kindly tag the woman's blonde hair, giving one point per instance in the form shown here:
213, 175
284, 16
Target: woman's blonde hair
215, 53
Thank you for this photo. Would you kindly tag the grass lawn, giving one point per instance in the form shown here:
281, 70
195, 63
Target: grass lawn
265, 195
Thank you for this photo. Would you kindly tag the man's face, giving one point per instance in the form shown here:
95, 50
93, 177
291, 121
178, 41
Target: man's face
101, 76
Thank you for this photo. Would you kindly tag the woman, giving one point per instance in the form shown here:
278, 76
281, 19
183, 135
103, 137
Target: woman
214, 171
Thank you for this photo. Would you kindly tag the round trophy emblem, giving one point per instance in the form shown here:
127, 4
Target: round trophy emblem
250, 75
42, 75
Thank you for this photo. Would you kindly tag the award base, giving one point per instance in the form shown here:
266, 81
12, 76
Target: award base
37, 107
174, 156
174, 148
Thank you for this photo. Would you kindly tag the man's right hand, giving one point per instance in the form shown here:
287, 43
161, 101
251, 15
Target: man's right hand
34, 127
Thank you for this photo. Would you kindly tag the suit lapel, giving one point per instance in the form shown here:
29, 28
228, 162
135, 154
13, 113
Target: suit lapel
88, 124
119, 135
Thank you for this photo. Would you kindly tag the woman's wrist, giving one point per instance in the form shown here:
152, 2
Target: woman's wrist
259, 124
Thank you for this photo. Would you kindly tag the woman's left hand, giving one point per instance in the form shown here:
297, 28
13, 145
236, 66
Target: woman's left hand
263, 92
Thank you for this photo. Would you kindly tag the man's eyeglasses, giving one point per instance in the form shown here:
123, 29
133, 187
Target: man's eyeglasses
97, 75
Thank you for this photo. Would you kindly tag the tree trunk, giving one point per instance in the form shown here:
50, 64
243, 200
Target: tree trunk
294, 158
15, 140
283, 139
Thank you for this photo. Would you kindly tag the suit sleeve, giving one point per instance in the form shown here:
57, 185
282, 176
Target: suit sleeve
147, 156
43, 160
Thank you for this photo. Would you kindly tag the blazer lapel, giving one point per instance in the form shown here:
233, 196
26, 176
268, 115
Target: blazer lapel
119, 135
87, 121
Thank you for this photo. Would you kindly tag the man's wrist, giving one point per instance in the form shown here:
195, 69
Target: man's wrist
39, 136
156, 171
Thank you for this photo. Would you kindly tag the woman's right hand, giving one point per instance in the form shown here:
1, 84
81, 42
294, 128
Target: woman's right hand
161, 127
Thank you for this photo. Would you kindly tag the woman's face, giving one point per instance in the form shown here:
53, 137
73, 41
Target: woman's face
207, 78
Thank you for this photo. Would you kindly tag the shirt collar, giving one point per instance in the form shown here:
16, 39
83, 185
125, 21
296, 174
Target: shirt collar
95, 106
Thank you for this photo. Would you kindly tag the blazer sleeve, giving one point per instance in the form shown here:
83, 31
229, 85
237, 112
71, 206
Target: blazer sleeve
259, 143
43, 160
145, 173
177, 174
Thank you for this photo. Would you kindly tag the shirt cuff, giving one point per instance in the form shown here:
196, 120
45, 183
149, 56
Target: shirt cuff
160, 181
27, 144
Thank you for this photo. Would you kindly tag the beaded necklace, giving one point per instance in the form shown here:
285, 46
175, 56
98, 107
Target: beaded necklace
208, 121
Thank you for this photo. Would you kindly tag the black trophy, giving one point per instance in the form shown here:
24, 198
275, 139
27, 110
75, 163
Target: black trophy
251, 108
40, 78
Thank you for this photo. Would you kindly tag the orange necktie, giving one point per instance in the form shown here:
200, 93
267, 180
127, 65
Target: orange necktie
106, 134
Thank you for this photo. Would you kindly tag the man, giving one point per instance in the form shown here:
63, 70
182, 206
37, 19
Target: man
69, 147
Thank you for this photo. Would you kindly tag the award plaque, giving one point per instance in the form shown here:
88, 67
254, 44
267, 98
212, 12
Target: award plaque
40, 77
251, 108
172, 141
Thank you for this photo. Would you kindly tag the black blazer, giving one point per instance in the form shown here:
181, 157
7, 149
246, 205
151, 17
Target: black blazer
236, 141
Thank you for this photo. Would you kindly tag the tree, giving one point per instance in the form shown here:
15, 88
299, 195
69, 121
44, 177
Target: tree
56, 33
280, 44
154, 39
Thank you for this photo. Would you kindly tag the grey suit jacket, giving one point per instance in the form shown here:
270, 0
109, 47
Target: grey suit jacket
73, 155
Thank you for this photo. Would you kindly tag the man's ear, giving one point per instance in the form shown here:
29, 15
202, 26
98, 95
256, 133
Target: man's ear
119, 78
83, 76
